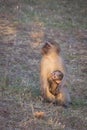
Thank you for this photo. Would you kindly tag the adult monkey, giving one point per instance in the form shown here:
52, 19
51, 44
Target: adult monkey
50, 62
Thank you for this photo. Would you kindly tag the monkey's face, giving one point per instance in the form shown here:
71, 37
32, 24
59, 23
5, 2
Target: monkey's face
46, 48
57, 76
50, 47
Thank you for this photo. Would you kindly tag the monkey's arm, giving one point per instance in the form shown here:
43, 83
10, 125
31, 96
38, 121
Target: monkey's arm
45, 90
62, 68
45, 70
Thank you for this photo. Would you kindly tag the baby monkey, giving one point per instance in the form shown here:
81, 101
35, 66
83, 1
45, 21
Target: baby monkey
54, 80
61, 93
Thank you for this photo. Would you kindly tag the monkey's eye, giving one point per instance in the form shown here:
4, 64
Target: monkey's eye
54, 76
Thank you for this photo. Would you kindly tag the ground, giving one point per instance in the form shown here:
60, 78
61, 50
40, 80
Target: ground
24, 27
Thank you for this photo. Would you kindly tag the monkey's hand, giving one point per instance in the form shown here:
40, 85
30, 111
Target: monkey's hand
49, 96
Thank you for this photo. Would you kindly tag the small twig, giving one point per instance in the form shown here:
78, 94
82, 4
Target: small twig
32, 108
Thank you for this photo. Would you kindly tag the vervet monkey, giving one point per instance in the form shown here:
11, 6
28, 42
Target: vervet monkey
50, 62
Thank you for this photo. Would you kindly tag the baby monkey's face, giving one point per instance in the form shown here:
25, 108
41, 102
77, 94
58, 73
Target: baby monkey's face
57, 76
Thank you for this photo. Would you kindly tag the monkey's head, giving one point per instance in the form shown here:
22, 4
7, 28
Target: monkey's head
57, 76
50, 46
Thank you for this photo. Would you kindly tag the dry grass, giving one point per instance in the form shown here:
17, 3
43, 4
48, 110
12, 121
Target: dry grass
24, 25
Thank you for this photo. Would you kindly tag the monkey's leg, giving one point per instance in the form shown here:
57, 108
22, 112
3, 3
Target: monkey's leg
63, 97
49, 96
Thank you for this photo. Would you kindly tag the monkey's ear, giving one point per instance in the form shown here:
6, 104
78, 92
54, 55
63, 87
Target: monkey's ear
58, 49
